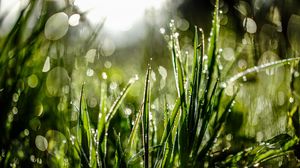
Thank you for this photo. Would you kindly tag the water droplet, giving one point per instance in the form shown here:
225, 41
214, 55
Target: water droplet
107, 64
15, 97
104, 75
228, 137
162, 30
250, 25
291, 100
15, 110
90, 72
47, 65
128, 111
32, 81
39, 110
57, 78
296, 74
90, 55
56, 26
32, 158
256, 165
176, 34
41, 142
74, 19
113, 86
26, 132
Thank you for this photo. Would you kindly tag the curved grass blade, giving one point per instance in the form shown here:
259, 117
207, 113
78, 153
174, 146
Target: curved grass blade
260, 68
275, 147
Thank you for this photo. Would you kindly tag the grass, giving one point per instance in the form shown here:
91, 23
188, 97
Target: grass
98, 137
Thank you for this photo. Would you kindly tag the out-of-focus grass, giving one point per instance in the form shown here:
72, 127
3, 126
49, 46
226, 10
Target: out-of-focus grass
54, 122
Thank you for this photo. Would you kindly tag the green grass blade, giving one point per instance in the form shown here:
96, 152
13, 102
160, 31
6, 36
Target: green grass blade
119, 100
145, 116
85, 120
277, 146
260, 68
135, 128
200, 157
101, 124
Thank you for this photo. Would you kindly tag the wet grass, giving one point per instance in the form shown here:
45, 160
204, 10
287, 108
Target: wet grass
102, 136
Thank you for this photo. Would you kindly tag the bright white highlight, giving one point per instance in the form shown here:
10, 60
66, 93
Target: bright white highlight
119, 15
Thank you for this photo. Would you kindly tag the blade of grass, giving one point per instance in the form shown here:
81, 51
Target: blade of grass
85, 122
101, 124
260, 68
145, 116
118, 101
135, 128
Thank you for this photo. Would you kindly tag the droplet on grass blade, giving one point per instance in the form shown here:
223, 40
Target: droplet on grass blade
41, 142
249, 25
56, 26
128, 111
47, 65
15, 110
74, 19
162, 30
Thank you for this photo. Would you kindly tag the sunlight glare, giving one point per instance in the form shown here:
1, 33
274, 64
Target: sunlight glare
119, 15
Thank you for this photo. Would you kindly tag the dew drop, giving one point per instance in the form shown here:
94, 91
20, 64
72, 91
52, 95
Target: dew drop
250, 25
15, 110
41, 142
104, 75
291, 100
162, 30
128, 111
74, 19
47, 65
56, 26
90, 72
